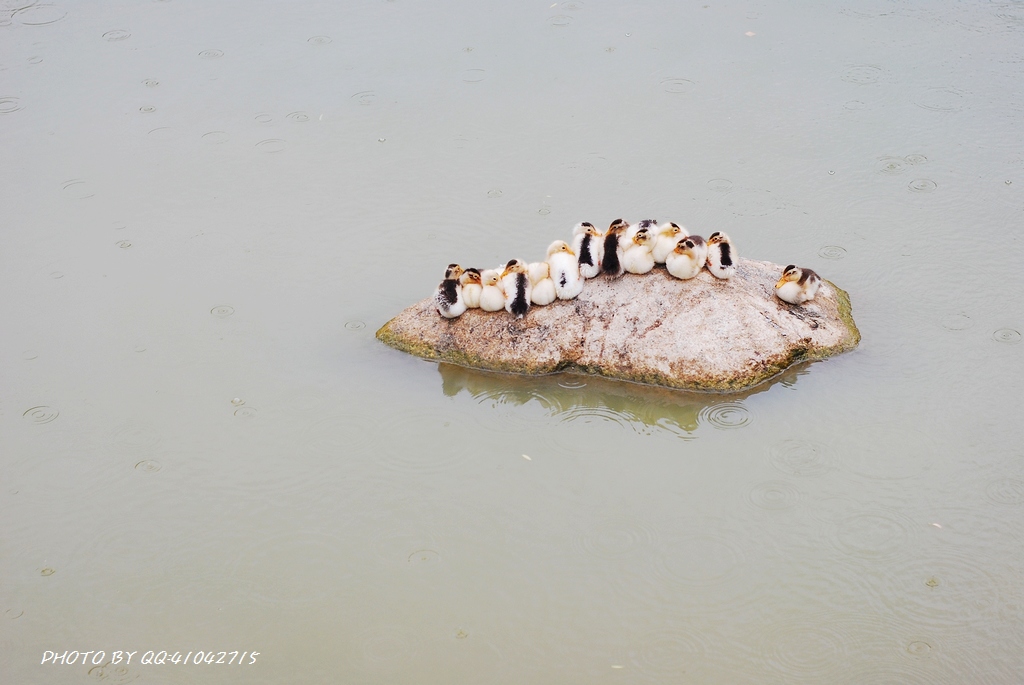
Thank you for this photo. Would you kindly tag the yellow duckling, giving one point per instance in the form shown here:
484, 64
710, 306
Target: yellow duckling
472, 286
637, 259
722, 256
668, 236
492, 297
448, 298
797, 285
565, 270
588, 244
542, 288
515, 281
688, 258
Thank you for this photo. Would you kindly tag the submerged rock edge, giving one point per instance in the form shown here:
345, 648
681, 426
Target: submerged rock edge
765, 369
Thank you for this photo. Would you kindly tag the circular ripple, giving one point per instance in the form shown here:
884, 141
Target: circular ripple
941, 99
871, 536
13, 614
123, 244
672, 651
832, 252
915, 159
319, 40
1006, 491
774, 495
863, 74
560, 20
570, 383
297, 116
78, 188
922, 185
572, 5
263, 118
891, 166
116, 34
720, 185
365, 97
423, 557
807, 650
39, 15
617, 537
216, 137
800, 458
355, 325
47, 571
148, 466
147, 109
36, 59
677, 85
494, 192
271, 145
855, 105
245, 412
752, 202
41, 414
725, 416
1006, 335
956, 322
211, 54
919, 648
151, 83
222, 311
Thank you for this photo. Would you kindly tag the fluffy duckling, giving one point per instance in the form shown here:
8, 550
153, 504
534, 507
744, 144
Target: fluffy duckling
515, 281
688, 257
668, 236
588, 244
650, 224
448, 298
542, 288
722, 255
565, 270
637, 259
471, 287
611, 261
797, 285
492, 297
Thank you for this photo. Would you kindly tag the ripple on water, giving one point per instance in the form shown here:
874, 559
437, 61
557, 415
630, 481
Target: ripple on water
725, 416
134, 438
891, 166
720, 185
878, 535
673, 650
364, 97
560, 20
616, 537
922, 185
941, 99
319, 40
774, 495
78, 188
148, 466
40, 415
41, 14
1006, 491
915, 159
216, 137
864, 74
832, 252
797, 457
473, 75
297, 116
9, 105
222, 311
271, 145
1006, 335
116, 35
677, 85
211, 54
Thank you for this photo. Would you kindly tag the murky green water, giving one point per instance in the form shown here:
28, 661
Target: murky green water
209, 208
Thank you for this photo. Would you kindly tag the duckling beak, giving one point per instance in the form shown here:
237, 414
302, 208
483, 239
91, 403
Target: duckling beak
782, 282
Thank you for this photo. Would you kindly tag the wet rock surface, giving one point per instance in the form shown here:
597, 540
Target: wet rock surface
701, 334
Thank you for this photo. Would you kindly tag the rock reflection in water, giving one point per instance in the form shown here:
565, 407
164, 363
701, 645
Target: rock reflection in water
569, 396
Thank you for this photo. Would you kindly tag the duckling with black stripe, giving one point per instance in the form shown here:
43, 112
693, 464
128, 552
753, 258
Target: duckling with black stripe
448, 298
588, 244
611, 261
515, 281
722, 256
797, 285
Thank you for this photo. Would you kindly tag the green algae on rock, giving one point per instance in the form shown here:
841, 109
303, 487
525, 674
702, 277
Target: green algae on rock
702, 334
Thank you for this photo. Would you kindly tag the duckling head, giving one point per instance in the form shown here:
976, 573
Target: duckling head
670, 229
514, 266
718, 237
583, 227
618, 226
454, 271
643, 237
793, 274
593, 232
470, 276
560, 246
490, 277
685, 246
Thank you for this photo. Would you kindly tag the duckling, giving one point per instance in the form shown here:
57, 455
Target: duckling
542, 290
515, 281
688, 258
565, 270
611, 261
637, 259
797, 285
650, 224
668, 236
448, 298
492, 297
722, 255
588, 244
471, 287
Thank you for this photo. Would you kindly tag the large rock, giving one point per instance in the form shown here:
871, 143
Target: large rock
700, 334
